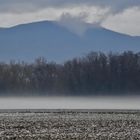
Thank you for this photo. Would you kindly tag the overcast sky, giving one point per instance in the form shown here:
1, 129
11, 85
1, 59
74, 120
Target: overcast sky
118, 15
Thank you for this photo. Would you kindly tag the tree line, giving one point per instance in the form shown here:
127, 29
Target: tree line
96, 73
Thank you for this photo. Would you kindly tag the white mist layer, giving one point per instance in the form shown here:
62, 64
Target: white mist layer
70, 103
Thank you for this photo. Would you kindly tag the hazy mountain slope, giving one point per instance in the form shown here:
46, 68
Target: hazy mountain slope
55, 42
107, 40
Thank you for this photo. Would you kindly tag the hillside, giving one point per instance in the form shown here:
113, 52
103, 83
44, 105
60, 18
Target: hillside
56, 43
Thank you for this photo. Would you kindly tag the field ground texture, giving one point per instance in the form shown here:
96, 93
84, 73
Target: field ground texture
70, 126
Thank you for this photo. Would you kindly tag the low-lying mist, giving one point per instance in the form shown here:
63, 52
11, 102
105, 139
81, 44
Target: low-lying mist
96, 102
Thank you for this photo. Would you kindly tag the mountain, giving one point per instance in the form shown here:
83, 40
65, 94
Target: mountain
57, 43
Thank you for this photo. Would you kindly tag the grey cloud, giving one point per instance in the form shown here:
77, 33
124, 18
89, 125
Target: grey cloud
115, 6
74, 23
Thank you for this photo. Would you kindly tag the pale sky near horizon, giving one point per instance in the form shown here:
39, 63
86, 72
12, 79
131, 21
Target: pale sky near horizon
118, 15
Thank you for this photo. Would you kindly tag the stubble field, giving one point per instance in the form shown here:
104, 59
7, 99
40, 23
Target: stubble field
70, 126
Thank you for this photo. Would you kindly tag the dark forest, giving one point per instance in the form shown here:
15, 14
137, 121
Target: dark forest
96, 73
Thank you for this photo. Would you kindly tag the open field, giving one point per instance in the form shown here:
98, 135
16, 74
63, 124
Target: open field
67, 125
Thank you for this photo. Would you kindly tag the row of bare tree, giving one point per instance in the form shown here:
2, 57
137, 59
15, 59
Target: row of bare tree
95, 73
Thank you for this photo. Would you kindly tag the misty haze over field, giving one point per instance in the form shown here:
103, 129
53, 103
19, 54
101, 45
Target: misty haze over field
70, 102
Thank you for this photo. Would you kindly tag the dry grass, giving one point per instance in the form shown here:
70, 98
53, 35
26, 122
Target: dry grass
68, 126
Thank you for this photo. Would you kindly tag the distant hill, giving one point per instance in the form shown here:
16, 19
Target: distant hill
56, 43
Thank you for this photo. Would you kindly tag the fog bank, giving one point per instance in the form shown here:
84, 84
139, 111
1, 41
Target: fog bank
70, 103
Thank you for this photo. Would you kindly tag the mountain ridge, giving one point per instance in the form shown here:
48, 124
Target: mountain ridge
55, 42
